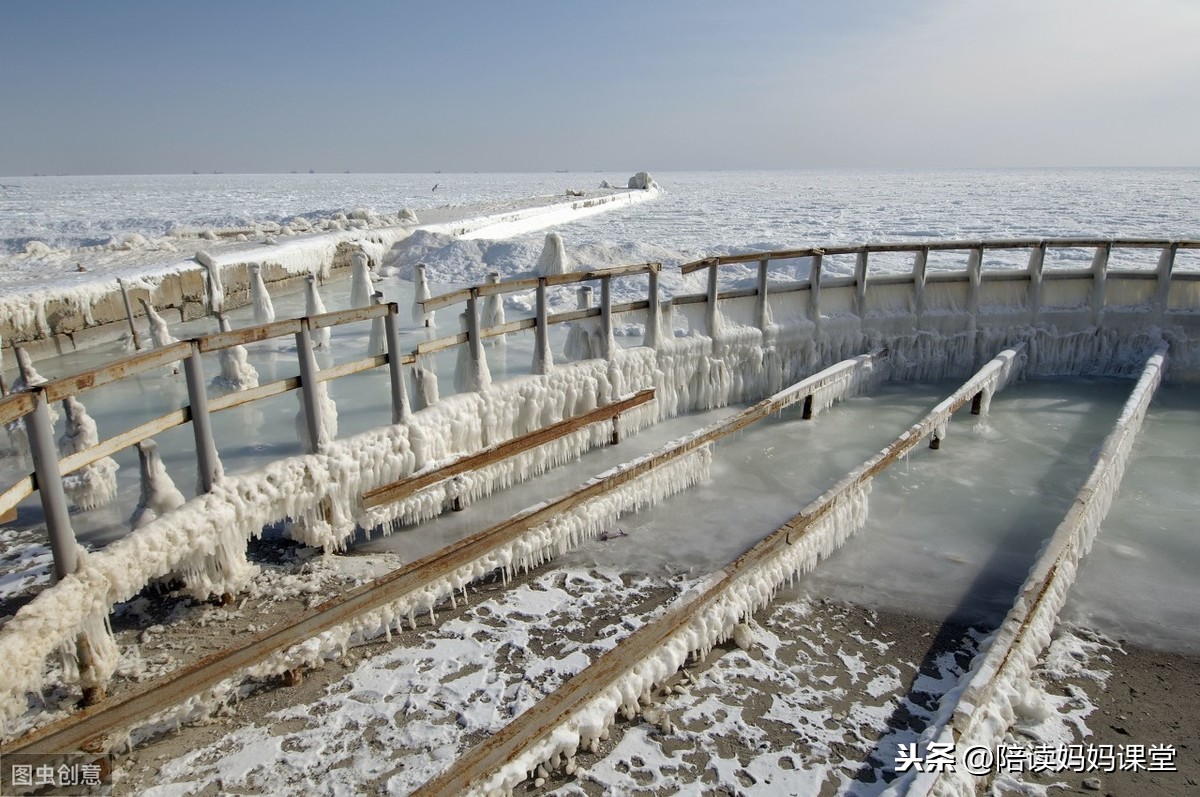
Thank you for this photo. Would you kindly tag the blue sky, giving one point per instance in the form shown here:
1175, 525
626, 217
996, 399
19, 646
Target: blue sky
145, 87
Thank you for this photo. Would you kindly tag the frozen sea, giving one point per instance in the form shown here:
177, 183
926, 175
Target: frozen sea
1134, 583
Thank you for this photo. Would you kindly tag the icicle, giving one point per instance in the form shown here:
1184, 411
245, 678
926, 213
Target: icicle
216, 291
264, 310
426, 384
420, 316
93, 485
376, 344
313, 305
236, 371
360, 281
159, 332
158, 492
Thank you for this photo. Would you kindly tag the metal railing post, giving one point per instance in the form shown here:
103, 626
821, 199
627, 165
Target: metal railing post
50, 486
607, 343
543, 359
401, 410
975, 275
1099, 274
762, 308
207, 462
137, 343
475, 343
814, 293
860, 283
710, 312
920, 264
308, 386
652, 338
1037, 261
1166, 264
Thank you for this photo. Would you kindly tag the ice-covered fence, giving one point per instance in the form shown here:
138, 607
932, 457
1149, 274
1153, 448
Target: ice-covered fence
578, 714
1075, 320
48, 468
984, 704
474, 336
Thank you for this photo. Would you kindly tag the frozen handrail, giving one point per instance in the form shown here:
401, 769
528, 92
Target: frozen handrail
696, 623
530, 283
939, 246
979, 712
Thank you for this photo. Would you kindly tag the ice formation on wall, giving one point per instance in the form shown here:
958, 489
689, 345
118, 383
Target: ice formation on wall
553, 259
93, 485
264, 309
360, 281
642, 181
313, 305
159, 495
27, 377
236, 371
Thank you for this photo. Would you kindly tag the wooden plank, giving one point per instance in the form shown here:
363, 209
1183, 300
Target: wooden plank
106, 448
440, 344
543, 718
246, 335
59, 389
14, 495
351, 368
15, 405
402, 488
237, 399
336, 318
508, 328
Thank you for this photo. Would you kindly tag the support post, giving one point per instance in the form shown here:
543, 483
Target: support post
762, 309
1166, 264
975, 275
710, 313
977, 403
814, 290
583, 298
474, 342
1037, 259
920, 263
543, 359
616, 430
607, 343
653, 335
50, 486
935, 442
207, 462
308, 386
401, 410
137, 342
1099, 275
806, 412
860, 283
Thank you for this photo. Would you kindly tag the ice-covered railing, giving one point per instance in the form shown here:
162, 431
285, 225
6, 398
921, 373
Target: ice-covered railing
473, 336
1100, 274
980, 709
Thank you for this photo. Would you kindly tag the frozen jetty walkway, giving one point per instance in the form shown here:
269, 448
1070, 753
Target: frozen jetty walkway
64, 300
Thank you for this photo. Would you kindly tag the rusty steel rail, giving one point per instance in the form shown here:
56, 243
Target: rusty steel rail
402, 488
552, 711
111, 715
